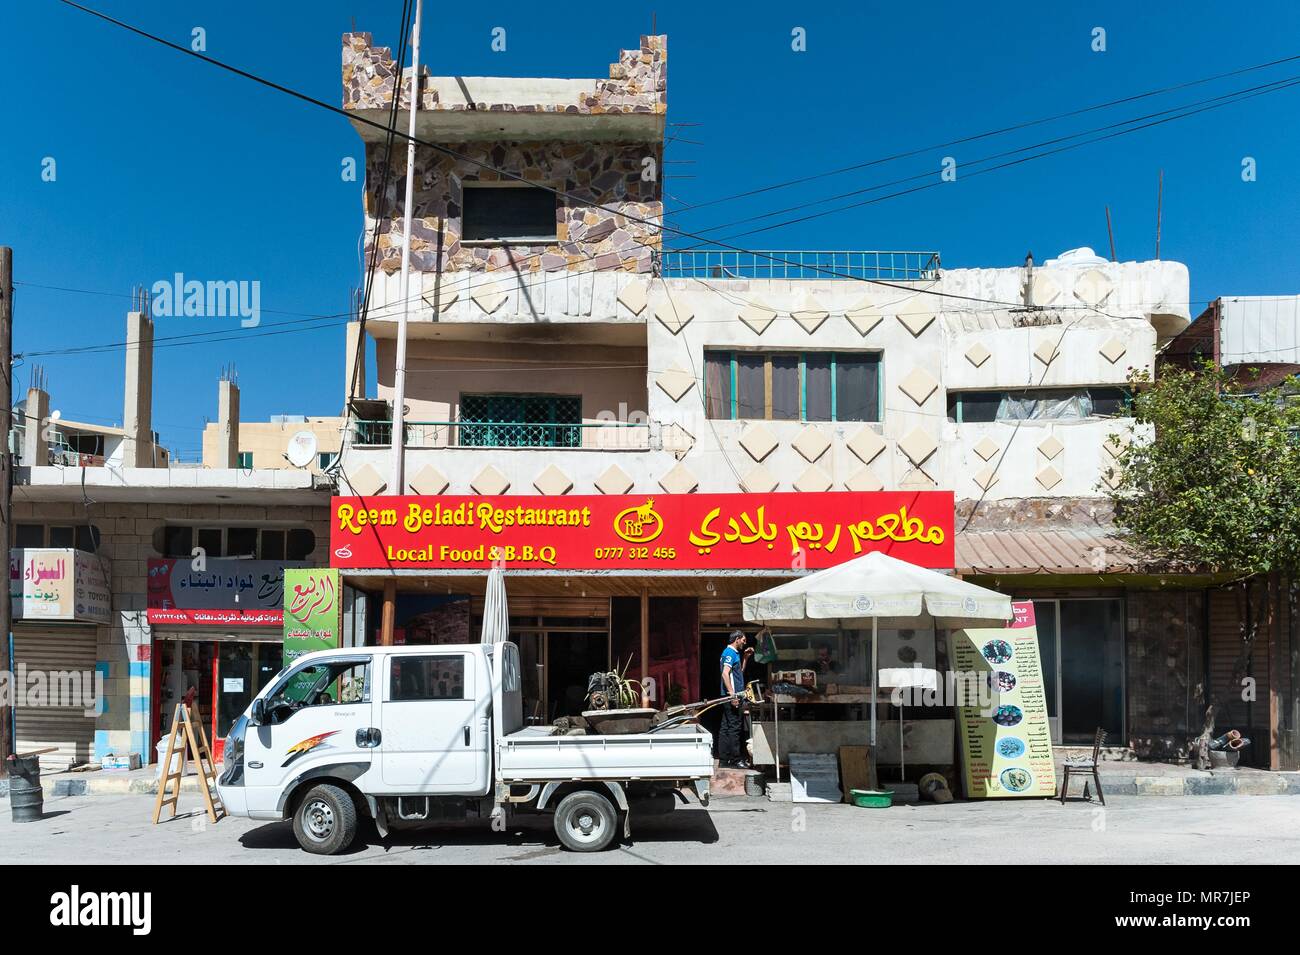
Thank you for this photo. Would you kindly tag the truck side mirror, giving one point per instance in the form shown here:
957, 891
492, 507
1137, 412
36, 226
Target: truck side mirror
258, 712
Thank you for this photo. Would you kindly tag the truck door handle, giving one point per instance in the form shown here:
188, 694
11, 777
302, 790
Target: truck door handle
466, 735
255, 765
369, 737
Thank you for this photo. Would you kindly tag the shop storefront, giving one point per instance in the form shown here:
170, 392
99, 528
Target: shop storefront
60, 599
650, 585
218, 630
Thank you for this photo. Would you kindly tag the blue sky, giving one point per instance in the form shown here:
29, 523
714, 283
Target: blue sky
166, 165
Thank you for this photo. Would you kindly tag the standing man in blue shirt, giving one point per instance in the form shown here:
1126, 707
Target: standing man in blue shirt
731, 737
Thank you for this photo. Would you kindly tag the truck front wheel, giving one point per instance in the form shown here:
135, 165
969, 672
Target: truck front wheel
585, 822
326, 820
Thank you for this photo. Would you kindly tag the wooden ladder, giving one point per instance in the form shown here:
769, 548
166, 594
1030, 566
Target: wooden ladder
194, 747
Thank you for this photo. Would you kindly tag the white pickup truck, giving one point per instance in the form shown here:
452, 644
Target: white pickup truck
428, 734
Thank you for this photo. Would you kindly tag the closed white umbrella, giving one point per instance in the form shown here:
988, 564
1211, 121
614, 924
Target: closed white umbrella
868, 588
496, 615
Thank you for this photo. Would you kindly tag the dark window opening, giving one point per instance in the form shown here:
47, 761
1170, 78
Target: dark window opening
1038, 404
508, 213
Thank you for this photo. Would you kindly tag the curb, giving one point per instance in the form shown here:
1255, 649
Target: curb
106, 786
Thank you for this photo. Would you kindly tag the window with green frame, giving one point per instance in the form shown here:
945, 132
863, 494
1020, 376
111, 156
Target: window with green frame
520, 421
792, 386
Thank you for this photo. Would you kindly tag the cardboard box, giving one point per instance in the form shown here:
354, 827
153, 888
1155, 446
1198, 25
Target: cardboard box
124, 762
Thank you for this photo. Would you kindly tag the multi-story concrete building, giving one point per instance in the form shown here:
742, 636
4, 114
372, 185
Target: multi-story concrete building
559, 349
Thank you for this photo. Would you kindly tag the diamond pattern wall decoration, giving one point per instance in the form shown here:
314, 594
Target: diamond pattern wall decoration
987, 447
490, 481
757, 441
675, 382
614, 480
916, 480
634, 297
1113, 477
679, 480
866, 444
674, 313
759, 481
813, 480
677, 440
811, 443
1115, 444
918, 446
1113, 350
864, 479
489, 296
1048, 477
756, 317
366, 481
1093, 287
552, 481
441, 299
810, 316
919, 385
977, 354
916, 322
429, 481
987, 478
864, 316
1051, 447
1046, 351
1046, 289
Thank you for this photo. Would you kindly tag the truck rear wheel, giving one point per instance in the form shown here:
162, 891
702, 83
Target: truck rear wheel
585, 821
325, 821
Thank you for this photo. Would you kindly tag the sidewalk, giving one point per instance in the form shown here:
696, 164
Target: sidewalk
104, 782
1135, 778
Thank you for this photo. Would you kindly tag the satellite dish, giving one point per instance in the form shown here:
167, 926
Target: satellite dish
302, 449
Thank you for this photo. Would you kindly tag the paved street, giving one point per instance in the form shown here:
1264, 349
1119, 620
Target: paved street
1196, 829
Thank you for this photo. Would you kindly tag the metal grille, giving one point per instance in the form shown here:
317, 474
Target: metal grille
520, 421
729, 264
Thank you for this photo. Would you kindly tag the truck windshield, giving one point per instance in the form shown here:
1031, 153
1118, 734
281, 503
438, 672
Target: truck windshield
333, 681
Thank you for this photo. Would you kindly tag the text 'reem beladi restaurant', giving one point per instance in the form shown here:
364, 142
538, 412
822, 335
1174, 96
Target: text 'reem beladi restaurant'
647, 584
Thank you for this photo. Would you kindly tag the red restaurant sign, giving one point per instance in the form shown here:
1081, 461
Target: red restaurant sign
672, 532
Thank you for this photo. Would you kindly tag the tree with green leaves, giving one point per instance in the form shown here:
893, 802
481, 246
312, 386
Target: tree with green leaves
1208, 480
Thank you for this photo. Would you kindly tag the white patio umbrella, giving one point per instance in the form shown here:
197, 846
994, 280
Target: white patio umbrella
869, 588
496, 615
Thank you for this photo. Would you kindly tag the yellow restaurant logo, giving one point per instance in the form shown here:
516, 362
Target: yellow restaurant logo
639, 524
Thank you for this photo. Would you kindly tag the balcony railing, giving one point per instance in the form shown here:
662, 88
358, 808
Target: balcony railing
728, 264
602, 435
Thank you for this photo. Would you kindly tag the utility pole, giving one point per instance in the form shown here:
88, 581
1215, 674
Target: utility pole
397, 485
6, 484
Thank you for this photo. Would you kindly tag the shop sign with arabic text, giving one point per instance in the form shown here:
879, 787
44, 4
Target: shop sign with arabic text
666, 532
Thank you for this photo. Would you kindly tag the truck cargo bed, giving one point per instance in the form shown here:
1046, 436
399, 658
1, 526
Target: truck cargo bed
535, 755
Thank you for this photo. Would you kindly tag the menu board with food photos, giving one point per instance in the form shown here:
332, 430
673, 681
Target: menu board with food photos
1006, 741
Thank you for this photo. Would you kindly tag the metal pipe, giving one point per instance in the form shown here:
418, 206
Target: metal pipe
398, 483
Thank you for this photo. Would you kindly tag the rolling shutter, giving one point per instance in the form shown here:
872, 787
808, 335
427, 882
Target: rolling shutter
65, 656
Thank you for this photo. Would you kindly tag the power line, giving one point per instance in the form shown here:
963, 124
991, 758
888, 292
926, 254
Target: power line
1016, 162
929, 173
438, 147
985, 135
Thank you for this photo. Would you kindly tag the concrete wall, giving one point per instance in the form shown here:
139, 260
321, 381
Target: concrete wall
1097, 323
610, 379
267, 440
125, 648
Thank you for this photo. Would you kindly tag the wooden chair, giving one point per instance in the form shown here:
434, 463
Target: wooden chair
1083, 765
